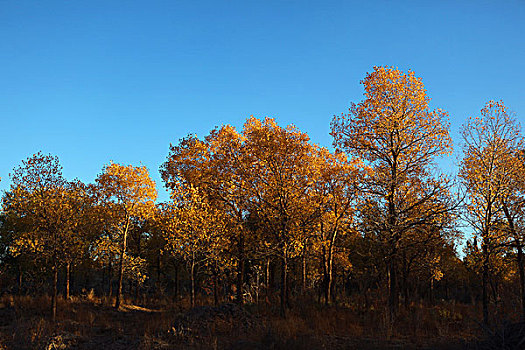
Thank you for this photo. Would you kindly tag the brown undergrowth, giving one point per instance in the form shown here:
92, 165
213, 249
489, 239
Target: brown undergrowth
91, 323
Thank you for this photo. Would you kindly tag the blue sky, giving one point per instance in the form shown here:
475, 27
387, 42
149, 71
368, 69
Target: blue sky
94, 81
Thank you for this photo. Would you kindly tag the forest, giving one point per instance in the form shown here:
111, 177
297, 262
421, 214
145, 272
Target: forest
270, 241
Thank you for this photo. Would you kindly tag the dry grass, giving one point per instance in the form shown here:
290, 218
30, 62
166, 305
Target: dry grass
91, 323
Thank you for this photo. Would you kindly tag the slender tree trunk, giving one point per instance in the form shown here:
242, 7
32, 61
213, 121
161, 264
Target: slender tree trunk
522, 277
55, 293
393, 293
216, 286
176, 286
328, 283
110, 278
431, 291
268, 279
104, 280
68, 275
485, 281
240, 269
20, 279
324, 266
121, 267
393, 298
257, 285
284, 285
192, 277
304, 272
405, 281
330, 268
137, 284
333, 284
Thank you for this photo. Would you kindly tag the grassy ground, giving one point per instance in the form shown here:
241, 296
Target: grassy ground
91, 323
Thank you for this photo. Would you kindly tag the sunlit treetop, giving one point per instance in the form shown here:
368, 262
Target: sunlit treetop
128, 186
393, 124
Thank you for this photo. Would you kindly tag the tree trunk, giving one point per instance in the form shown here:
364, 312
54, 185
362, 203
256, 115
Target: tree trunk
257, 285
121, 267
393, 297
176, 282
522, 278
192, 277
324, 267
158, 271
329, 274
55, 293
267, 279
284, 286
110, 279
216, 286
304, 272
431, 291
485, 277
240, 270
137, 284
20, 279
405, 281
68, 275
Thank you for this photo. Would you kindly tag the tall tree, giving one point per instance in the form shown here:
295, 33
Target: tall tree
217, 167
394, 131
129, 193
490, 140
279, 175
40, 197
336, 193
194, 230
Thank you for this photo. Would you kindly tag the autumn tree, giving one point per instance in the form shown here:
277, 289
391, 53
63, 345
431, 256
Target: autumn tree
490, 152
513, 206
49, 206
261, 173
217, 166
128, 193
195, 231
394, 131
335, 195
279, 179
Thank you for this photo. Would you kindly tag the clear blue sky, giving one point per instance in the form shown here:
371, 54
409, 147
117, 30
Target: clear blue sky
94, 81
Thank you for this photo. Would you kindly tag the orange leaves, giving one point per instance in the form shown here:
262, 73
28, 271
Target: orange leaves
491, 167
47, 210
129, 187
398, 137
393, 121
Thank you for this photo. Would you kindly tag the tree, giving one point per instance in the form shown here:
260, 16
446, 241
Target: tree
128, 193
194, 230
278, 177
394, 131
335, 192
42, 198
513, 205
491, 143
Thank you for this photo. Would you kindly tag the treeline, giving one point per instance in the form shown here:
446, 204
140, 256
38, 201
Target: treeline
264, 215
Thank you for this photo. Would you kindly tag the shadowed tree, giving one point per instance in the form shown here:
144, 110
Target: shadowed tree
398, 136
491, 143
50, 209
